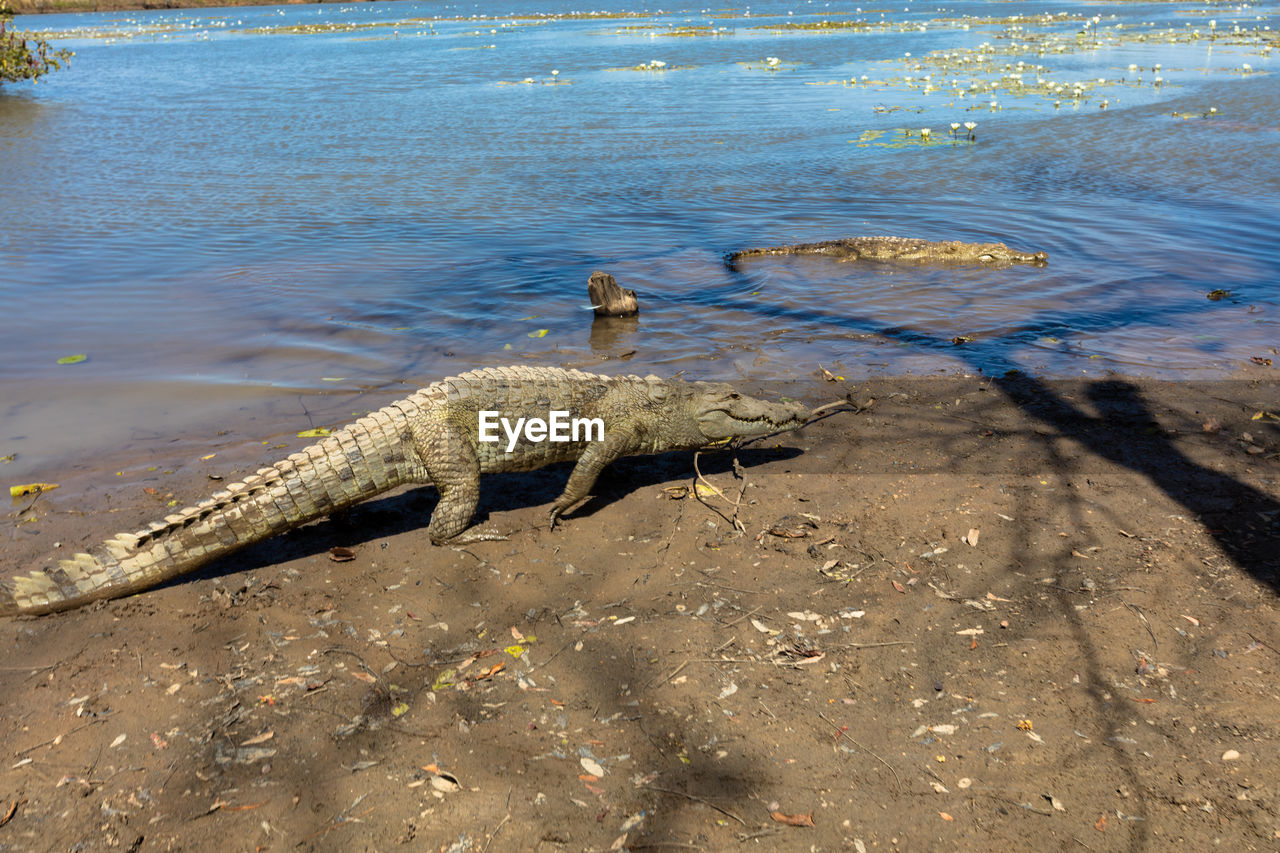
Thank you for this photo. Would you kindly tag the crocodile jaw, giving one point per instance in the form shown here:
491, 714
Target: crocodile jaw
998, 253
722, 413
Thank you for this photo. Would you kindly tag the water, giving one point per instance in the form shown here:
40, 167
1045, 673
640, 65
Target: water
241, 215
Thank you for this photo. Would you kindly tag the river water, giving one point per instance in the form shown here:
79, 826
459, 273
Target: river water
243, 217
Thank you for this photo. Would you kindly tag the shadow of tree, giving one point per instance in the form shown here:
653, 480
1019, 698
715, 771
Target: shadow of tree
1244, 521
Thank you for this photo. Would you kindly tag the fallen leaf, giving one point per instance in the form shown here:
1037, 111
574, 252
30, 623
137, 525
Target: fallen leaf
73, 359
591, 766
159, 742
30, 489
804, 615
972, 539
341, 555
445, 782
1257, 359
793, 819
257, 739
540, 333
899, 587
945, 816
318, 432
1101, 825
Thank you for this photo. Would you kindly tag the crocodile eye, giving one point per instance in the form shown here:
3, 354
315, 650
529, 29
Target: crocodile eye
986, 258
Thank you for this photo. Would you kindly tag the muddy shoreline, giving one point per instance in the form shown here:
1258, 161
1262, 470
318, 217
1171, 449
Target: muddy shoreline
973, 610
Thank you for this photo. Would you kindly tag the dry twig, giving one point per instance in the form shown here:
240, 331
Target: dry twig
698, 799
844, 733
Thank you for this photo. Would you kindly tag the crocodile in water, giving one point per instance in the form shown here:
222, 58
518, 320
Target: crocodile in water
902, 250
432, 436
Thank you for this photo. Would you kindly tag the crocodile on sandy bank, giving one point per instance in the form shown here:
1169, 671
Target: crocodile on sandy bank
432, 436
902, 250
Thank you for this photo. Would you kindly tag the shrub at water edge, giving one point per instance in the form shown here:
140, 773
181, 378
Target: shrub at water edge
23, 58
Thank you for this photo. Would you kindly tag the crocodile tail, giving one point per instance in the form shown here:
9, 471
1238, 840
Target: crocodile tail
368, 457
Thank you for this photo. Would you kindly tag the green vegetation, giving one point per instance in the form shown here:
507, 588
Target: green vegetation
23, 58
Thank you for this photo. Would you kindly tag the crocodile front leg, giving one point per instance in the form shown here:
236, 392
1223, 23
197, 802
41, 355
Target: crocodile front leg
618, 443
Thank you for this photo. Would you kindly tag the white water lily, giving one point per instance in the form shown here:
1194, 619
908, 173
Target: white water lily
771, 61
955, 125
924, 133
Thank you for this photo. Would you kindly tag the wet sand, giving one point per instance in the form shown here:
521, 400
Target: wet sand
973, 611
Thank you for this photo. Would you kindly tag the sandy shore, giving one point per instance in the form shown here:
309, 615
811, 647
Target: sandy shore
972, 612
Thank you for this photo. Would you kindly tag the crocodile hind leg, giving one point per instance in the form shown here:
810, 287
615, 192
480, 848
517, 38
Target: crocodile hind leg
451, 462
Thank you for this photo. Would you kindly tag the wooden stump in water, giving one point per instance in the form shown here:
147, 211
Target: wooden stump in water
609, 299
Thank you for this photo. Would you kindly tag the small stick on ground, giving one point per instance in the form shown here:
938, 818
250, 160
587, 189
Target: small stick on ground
342, 818
735, 504
1145, 623
873, 645
495, 832
670, 676
846, 734
698, 799
13, 810
100, 719
752, 612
